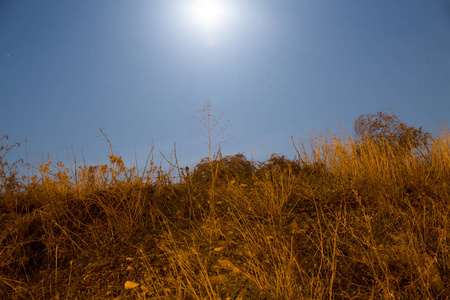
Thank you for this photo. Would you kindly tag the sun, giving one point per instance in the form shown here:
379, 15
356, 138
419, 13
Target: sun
208, 13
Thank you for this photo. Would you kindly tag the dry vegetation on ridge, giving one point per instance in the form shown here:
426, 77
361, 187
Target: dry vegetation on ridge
362, 218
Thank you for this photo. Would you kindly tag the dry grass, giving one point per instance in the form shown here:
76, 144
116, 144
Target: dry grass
345, 220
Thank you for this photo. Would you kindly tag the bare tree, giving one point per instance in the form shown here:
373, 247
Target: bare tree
211, 129
384, 127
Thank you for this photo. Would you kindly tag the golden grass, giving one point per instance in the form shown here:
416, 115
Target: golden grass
344, 220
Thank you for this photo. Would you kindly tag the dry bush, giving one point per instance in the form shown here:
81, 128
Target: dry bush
384, 127
235, 167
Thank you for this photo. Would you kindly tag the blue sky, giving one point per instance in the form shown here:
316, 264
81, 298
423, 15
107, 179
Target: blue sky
276, 69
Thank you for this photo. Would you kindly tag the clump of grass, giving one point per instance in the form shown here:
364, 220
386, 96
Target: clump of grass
346, 219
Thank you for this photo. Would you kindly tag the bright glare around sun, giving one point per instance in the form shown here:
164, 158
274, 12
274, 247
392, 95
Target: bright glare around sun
208, 13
